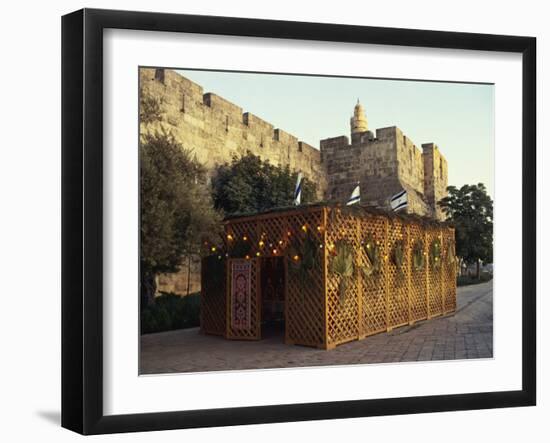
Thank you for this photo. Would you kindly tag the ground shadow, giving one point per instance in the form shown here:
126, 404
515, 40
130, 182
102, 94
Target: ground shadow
54, 417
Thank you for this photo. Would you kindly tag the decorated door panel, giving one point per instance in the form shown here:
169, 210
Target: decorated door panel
243, 299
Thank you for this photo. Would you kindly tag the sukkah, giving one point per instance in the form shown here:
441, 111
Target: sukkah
328, 273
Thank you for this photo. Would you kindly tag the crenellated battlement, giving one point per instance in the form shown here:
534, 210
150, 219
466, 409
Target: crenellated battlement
385, 164
217, 129
384, 161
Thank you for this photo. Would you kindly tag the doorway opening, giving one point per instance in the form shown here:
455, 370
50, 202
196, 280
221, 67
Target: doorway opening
272, 290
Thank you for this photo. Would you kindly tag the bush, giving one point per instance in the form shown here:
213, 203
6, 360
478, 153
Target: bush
171, 311
464, 280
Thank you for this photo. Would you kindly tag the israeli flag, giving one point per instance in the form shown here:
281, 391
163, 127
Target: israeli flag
399, 201
355, 196
298, 190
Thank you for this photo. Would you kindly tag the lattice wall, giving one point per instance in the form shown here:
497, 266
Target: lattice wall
317, 311
395, 295
305, 297
397, 277
271, 235
373, 289
343, 306
213, 300
419, 284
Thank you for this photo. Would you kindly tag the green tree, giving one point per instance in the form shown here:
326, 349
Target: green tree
176, 210
249, 184
470, 209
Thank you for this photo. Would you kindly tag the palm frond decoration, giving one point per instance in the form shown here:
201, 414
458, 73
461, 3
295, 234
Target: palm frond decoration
397, 255
342, 265
372, 258
418, 258
303, 257
435, 254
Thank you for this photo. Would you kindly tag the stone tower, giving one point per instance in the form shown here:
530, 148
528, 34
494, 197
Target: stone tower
385, 162
435, 177
358, 122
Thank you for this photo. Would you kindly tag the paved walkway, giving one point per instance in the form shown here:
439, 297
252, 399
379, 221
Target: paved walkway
466, 334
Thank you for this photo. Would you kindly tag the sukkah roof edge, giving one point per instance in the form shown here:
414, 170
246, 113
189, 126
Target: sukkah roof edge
353, 210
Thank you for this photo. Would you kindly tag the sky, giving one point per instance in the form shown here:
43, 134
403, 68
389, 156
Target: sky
458, 117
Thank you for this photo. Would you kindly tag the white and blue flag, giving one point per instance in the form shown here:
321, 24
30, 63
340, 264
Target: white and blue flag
298, 190
355, 196
399, 201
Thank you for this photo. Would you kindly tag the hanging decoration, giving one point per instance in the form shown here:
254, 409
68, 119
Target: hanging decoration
372, 264
418, 258
303, 257
397, 256
435, 254
342, 265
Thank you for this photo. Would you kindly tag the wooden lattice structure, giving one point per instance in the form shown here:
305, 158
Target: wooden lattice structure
403, 272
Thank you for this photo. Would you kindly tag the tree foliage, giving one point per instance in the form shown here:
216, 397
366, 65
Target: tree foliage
150, 107
470, 209
249, 184
176, 208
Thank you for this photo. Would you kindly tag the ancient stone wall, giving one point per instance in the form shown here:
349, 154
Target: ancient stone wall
435, 177
216, 129
384, 165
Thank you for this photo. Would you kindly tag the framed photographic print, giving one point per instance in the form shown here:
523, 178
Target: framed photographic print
269, 221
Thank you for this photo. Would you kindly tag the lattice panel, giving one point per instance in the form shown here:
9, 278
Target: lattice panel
373, 293
435, 293
271, 235
254, 332
418, 292
212, 302
343, 315
305, 297
449, 271
398, 278
316, 313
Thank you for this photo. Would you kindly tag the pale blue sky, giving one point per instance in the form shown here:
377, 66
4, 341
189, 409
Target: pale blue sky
458, 117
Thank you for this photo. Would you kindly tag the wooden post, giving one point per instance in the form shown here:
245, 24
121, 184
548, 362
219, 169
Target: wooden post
258, 325
228, 298
287, 338
325, 279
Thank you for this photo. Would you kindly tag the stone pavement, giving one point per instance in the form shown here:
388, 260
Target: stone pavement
466, 334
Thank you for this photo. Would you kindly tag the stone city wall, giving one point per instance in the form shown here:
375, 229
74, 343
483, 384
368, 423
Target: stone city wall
217, 130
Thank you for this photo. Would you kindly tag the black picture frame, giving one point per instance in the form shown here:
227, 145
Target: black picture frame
82, 218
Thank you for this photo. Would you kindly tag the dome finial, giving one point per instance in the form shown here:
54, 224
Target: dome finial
358, 122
